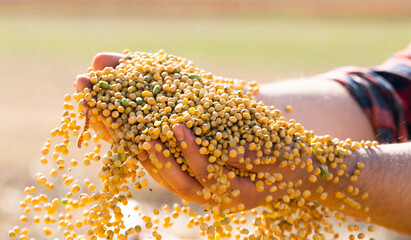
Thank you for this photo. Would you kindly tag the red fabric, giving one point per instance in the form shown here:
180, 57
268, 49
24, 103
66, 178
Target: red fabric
384, 93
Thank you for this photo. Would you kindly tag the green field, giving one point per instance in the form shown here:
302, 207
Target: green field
275, 45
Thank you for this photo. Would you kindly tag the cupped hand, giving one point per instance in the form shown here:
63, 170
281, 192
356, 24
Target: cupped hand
187, 187
180, 182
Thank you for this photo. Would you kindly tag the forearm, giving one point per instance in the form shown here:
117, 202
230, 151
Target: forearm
324, 106
384, 189
386, 179
327, 107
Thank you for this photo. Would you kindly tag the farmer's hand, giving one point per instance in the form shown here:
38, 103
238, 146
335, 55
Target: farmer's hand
187, 187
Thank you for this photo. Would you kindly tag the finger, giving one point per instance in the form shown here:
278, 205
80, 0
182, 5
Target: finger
83, 81
99, 62
181, 182
144, 159
250, 195
105, 59
197, 162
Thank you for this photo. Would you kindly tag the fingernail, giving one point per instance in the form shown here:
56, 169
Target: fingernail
179, 132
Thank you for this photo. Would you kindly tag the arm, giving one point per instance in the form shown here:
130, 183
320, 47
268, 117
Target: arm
386, 179
322, 105
313, 101
385, 176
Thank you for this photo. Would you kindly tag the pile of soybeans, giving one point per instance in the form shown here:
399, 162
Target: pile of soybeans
140, 100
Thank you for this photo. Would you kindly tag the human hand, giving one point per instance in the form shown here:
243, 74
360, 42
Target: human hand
247, 191
99, 62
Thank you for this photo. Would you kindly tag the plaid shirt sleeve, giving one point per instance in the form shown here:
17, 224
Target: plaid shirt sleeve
384, 93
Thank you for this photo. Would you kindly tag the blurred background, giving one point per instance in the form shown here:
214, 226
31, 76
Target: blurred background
45, 44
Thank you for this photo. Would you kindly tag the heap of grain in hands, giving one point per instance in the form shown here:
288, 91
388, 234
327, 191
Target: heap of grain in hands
139, 101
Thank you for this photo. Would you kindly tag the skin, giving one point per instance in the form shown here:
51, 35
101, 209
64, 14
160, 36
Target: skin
385, 175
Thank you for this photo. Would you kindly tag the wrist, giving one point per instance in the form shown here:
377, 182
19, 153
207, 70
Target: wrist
337, 186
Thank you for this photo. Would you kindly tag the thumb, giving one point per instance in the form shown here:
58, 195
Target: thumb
83, 81
106, 59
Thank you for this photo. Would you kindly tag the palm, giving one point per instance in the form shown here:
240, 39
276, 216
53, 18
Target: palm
180, 182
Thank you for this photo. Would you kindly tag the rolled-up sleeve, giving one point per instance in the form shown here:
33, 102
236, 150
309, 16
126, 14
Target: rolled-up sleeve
384, 93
